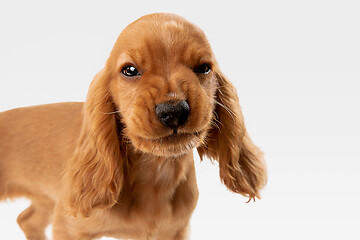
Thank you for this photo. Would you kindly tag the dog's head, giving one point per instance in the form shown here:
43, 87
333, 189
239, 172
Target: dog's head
161, 93
163, 84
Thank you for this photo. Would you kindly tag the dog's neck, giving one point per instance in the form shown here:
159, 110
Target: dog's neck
151, 183
159, 173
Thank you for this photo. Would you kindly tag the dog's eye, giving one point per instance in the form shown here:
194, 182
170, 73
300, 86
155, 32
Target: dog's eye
130, 71
203, 69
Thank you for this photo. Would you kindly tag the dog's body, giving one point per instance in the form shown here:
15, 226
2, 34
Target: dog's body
121, 164
53, 130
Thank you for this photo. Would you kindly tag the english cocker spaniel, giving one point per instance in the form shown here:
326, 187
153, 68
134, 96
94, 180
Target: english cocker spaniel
121, 164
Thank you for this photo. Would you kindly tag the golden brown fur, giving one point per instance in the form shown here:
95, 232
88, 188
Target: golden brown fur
109, 167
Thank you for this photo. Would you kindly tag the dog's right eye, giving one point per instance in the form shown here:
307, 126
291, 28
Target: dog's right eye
130, 71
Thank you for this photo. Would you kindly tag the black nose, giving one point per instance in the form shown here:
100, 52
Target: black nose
172, 114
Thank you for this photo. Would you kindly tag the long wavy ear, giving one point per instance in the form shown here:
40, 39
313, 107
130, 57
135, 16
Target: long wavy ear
242, 168
94, 175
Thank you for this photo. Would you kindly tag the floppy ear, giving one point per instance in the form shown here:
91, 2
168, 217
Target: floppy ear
242, 168
94, 174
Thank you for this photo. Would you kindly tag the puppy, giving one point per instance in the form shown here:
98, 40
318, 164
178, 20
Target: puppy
121, 164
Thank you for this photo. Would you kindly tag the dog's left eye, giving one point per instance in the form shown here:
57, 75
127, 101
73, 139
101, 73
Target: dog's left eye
203, 69
130, 71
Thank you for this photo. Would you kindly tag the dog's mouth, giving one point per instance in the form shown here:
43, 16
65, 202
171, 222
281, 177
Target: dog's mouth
177, 143
178, 138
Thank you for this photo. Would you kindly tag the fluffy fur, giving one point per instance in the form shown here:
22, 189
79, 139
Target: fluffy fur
109, 167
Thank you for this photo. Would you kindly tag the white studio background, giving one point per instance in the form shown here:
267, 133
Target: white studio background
296, 65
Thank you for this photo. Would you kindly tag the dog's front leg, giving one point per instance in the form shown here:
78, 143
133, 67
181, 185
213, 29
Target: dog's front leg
68, 228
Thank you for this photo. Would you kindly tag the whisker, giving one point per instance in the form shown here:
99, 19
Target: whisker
231, 113
117, 111
213, 123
